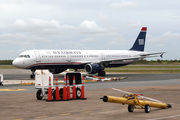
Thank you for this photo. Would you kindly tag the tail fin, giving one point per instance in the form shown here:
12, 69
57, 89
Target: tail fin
140, 41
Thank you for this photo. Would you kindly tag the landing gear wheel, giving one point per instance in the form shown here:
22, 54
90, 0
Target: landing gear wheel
32, 76
1, 83
78, 93
39, 94
147, 108
130, 108
102, 73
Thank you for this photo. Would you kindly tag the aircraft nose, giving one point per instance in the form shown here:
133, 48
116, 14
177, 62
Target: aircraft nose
16, 63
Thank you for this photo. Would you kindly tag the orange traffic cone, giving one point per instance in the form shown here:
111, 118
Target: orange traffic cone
68, 88
49, 90
64, 90
82, 88
57, 90
74, 88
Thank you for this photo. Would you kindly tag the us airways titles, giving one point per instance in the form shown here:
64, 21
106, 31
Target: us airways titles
66, 52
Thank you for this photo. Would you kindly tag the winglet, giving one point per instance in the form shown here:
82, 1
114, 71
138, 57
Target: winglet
161, 55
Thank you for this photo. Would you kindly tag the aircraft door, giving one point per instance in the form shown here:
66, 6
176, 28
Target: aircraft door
68, 57
38, 58
102, 56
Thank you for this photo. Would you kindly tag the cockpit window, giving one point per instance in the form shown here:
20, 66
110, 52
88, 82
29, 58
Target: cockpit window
24, 56
20, 56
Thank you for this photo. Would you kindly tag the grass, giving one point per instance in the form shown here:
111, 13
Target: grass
144, 71
7, 67
147, 66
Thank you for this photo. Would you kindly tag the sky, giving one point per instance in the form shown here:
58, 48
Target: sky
88, 24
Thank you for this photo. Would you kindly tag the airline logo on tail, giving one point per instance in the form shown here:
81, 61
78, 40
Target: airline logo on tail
141, 41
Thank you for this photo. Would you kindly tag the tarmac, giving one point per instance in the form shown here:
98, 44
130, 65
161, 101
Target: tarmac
19, 101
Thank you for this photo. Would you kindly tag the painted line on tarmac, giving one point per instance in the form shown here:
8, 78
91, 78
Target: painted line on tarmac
164, 117
13, 89
86, 111
123, 108
106, 109
42, 117
66, 114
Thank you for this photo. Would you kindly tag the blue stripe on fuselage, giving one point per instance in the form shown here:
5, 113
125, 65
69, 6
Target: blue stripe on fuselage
72, 66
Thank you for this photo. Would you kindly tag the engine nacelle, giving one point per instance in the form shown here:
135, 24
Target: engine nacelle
93, 68
56, 71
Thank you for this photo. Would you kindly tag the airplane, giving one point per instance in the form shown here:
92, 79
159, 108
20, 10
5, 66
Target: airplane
93, 61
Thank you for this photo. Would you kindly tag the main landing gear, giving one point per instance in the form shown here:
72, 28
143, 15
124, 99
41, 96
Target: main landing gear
33, 75
102, 73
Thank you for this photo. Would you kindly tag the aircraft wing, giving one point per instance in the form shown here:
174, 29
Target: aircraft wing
106, 62
133, 58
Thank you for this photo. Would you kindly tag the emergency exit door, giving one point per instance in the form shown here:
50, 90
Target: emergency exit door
38, 57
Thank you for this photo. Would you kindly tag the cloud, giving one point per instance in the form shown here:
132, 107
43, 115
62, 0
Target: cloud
161, 45
67, 42
72, 44
134, 24
39, 26
20, 40
87, 40
10, 54
102, 17
116, 41
166, 37
111, 28
8, 38
90, 27
123, 5
110, 35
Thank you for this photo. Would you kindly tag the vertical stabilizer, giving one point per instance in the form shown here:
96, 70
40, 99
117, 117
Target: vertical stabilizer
140, 41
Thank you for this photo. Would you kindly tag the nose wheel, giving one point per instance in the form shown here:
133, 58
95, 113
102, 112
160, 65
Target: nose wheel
33, 75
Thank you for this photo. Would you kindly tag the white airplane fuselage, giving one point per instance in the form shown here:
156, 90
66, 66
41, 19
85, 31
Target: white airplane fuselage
51, 59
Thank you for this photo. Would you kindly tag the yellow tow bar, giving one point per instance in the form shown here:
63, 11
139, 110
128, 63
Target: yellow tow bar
132, 100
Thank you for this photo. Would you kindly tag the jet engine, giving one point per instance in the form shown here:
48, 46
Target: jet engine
93, 68
56, 71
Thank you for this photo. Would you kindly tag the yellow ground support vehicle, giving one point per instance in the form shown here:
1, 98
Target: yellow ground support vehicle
136, 101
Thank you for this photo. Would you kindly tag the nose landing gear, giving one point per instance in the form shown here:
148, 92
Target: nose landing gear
33, 75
